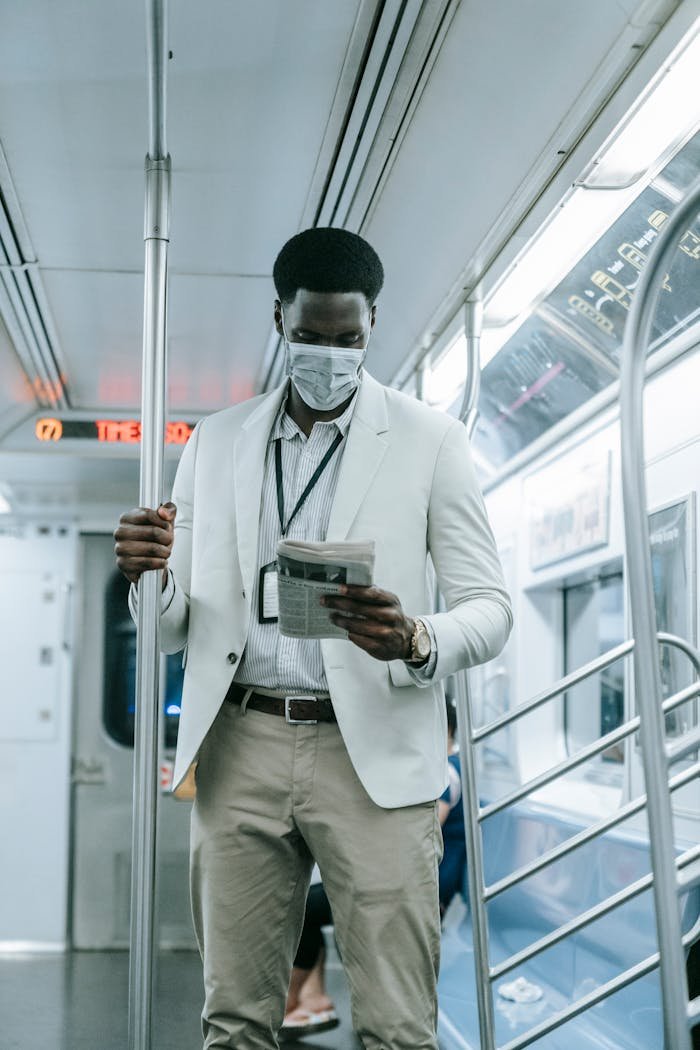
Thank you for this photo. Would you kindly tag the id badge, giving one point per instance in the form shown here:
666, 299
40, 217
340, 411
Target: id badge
268, 608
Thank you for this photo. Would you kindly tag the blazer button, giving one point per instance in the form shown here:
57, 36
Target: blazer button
232, 658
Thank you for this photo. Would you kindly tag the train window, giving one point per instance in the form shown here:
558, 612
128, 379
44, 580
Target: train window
672, 562
528, 388
569, 347
594, 622
119, 691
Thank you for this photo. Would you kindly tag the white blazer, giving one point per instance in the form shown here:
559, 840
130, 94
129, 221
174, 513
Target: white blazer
406, 481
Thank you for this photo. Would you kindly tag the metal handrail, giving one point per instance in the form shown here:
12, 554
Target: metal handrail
586, 918
146, 792
650, 723
473, 322
689, 743
674, 985
689, 880
580, 675
469, 413
582, 837
599, 994
570, 680
586, 753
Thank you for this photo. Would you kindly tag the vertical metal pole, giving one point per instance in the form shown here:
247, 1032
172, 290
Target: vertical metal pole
475, 865
469, 413
647, 679
473, 322
146, 783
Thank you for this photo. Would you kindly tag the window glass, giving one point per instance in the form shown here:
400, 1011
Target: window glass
531, 385
570, 346
594, 622
672, 576
119, 692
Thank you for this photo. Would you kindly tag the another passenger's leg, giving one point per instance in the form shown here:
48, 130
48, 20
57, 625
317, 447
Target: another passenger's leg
307, 987
380, 871
250, 871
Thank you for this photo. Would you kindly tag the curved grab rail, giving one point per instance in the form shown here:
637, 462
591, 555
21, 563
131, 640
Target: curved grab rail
679, 1015
646, 661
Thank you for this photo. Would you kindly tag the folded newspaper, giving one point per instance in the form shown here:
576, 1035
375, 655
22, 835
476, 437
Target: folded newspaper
305, 571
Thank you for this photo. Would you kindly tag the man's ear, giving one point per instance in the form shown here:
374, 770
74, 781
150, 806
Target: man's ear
372, 316
278, 317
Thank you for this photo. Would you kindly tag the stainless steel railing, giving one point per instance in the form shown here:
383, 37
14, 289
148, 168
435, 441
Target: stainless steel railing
670, 875
146, 786
481, 893
656, 756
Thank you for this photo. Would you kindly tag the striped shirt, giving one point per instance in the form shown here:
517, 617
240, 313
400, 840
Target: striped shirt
270, 659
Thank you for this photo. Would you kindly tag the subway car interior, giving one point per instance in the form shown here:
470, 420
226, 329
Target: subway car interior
528, 174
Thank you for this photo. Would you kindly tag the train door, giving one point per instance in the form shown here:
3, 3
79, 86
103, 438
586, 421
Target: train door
37, 570
103, 770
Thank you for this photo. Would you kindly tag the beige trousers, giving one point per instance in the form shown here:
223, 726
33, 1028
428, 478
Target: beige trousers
271, 797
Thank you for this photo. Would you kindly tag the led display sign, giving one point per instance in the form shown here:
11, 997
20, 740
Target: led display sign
113, 431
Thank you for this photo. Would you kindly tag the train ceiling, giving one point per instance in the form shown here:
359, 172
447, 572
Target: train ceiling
433, 127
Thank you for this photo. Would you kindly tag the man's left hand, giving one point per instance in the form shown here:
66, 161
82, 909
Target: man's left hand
373, 619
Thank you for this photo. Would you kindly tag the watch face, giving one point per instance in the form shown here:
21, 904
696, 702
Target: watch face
422, 644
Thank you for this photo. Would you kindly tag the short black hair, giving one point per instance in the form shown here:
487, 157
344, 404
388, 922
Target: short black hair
328, 259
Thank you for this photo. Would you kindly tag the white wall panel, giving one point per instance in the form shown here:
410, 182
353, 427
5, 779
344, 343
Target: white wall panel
36, 565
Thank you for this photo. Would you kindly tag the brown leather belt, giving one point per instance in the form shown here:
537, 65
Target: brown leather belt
296, 709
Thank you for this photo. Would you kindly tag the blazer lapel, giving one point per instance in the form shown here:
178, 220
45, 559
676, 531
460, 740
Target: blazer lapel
366, 446
249, 463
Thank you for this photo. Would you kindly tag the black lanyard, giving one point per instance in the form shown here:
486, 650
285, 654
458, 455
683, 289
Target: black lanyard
314, 478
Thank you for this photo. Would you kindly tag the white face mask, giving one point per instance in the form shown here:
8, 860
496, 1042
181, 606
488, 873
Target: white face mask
324, 376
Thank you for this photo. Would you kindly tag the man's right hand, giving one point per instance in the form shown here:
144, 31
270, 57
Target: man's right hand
144, 540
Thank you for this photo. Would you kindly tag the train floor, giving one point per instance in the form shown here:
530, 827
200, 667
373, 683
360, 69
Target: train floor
78, 1001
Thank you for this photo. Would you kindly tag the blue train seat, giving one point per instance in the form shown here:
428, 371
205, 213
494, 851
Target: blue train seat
630, 1019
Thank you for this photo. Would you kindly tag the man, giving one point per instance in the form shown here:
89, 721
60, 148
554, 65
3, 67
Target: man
349, 775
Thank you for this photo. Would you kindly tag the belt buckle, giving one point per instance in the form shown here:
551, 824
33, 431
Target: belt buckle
299, 721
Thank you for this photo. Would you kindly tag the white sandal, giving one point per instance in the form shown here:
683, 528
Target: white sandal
313, 1023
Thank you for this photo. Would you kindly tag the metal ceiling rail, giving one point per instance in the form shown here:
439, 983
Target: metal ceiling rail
21, 300
664, 879
153, 392
365, 132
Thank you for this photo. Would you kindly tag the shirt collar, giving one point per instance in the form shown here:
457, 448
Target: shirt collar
285, 427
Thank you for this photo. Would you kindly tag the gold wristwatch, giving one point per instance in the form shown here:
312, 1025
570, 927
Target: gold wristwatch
420, 643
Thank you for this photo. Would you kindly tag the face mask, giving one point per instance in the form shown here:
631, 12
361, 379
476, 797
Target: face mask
324, 376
